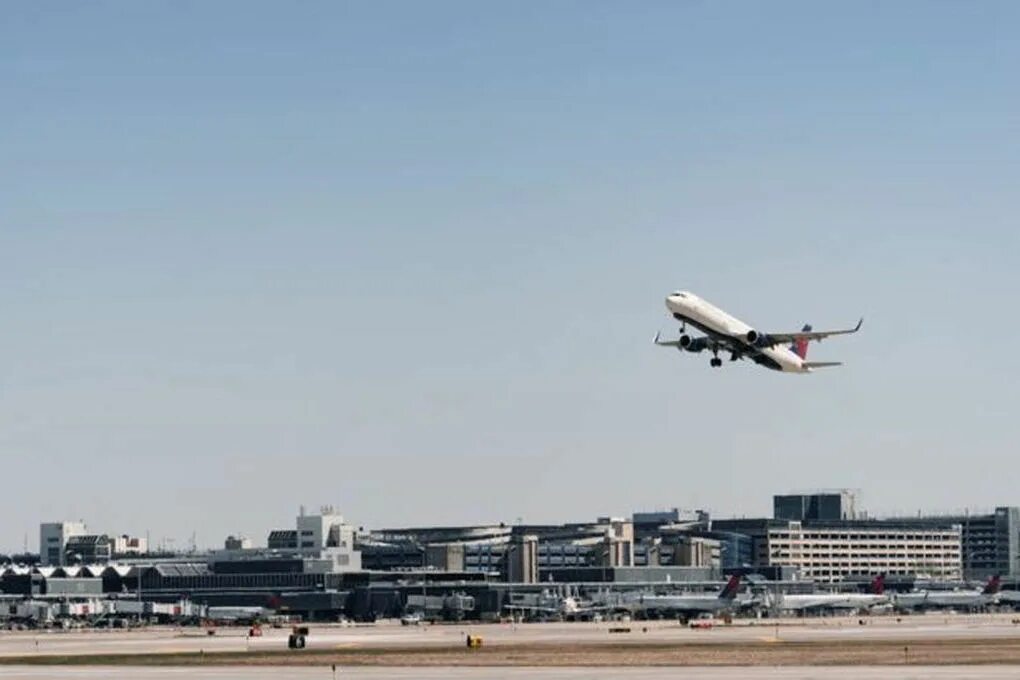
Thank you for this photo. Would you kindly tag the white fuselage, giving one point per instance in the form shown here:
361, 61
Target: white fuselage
924, 599
708, 603
832, 601
684, 602
711, 319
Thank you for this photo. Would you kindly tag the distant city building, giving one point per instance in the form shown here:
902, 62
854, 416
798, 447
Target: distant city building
130, 545
88, 549
324, 537
53, 538
237, 543
821, 505
325, 530
283, 539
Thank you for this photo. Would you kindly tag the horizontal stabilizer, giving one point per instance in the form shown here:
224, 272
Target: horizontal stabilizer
821, 364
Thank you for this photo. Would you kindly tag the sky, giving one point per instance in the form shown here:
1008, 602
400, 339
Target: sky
408, 259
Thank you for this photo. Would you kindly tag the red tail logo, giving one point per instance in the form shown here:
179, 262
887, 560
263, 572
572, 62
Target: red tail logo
799, 345
993, 585
730, 590
878, 585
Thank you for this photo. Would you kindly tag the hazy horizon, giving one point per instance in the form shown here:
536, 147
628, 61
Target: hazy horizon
408, 259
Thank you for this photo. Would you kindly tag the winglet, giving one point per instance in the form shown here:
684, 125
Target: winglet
657, 334
858, 326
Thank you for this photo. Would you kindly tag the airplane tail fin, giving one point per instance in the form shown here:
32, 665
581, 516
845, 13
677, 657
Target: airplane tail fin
878, 585
729, 591
800, 345
993, 586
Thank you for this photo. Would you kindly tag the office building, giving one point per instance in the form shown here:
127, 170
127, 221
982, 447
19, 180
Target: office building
990, 541
831, 551
53, 538
820, 505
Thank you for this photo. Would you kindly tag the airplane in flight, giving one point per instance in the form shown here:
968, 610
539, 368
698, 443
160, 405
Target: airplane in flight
785, 352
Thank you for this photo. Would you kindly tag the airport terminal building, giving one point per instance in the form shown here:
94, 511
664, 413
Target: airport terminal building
833, 551
821, 535
322, 567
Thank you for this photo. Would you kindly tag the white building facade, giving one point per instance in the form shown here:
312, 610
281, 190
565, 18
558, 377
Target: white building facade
847, 550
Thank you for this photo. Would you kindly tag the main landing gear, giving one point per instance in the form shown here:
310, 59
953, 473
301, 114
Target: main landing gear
716, 362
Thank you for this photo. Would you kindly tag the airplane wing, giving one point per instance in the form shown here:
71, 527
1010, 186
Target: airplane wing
783, 338
666, 343
722, 343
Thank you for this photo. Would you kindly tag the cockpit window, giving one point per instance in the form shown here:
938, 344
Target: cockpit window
680, 293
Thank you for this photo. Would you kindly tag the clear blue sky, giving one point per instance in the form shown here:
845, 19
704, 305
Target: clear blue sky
408, 258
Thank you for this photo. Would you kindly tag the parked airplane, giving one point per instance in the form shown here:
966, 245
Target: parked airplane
1010, 598
561, 605
237, 614
854, 601
724, 333
688, 604
951, 599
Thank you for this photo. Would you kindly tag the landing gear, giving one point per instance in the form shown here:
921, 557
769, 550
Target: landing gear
716, 362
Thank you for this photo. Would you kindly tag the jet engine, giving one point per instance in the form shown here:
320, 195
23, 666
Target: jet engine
693, 344
756, 339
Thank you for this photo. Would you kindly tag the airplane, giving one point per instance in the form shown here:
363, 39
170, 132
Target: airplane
688, 604
562, 606
724, 333
237, 614
1009, 598
966, 599
855, 601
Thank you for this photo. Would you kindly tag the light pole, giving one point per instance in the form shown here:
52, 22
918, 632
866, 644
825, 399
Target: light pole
424, 586
510, 580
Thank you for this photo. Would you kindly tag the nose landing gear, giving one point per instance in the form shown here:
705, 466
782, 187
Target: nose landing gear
716, 362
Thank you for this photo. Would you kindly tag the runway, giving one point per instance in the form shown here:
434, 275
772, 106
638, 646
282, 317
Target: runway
389, 635
984, 645
440, 673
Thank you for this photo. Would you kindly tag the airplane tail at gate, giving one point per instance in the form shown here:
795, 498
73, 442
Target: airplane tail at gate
878, 585
800, 345
993, 585
729, 591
